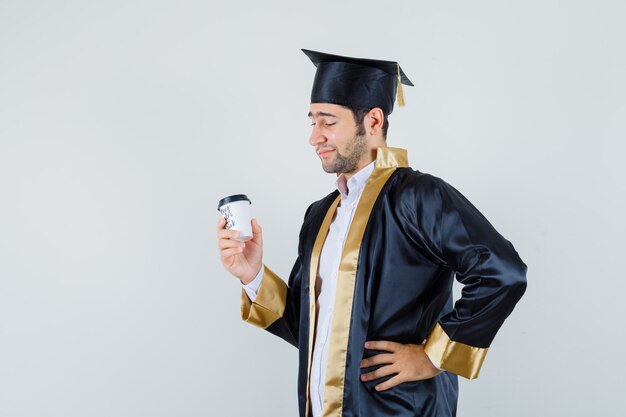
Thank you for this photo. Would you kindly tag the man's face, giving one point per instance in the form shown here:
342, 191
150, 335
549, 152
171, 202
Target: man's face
336, 138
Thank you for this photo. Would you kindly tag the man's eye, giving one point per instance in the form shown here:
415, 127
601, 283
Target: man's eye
329, 124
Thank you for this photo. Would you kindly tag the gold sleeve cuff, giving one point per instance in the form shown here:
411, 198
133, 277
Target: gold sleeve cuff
456, 357
269, 304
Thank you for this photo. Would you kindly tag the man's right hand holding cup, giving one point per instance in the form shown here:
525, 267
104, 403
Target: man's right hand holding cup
242, 259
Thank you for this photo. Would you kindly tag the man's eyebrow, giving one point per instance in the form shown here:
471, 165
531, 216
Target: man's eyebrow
321, 113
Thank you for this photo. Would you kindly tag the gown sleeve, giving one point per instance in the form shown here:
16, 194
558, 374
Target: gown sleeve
276, 307
485, 263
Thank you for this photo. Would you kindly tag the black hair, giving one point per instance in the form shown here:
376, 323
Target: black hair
359, 116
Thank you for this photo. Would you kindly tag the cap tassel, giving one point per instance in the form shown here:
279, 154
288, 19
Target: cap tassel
400, 92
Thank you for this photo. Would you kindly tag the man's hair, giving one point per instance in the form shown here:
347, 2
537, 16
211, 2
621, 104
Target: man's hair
359, 116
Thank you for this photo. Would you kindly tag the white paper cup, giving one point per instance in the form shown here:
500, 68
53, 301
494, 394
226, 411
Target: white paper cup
237, 212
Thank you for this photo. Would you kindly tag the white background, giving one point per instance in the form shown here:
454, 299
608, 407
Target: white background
122, 123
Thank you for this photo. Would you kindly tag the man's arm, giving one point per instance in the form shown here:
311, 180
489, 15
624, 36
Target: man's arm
266, 300
492, 274
276, 305
457, 235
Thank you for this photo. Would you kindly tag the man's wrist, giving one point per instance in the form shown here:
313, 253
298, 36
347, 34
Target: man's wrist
253, 277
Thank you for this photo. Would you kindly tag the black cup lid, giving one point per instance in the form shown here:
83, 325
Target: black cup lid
232, 199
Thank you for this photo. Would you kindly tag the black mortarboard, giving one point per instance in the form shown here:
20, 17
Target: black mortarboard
357, 82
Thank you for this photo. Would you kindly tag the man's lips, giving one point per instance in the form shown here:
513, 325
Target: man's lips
323, 152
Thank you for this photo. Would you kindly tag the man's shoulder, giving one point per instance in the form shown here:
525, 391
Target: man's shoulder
425, 189
414, 181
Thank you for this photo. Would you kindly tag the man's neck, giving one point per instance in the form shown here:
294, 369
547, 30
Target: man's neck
368, 159
349, 175
357, 182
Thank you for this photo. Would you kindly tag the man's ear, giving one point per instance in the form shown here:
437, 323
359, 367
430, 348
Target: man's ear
374, 121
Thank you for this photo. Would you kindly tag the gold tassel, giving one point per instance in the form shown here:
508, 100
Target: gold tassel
400, 92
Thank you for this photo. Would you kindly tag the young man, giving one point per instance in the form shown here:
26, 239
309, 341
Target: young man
368, 302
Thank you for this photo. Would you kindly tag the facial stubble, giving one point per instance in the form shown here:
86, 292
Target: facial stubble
349, 161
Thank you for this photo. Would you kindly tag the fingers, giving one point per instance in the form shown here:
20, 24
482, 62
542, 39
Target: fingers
408, 361
381, 359
257, 232
379, 373
227, 242
383, 345
390, 383
230, 243
227, 253
227, 234
223, 233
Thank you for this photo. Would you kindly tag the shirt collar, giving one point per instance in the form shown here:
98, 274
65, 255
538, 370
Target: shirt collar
356, 183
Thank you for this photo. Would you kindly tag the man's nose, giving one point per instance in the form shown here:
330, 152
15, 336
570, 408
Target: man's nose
316, 136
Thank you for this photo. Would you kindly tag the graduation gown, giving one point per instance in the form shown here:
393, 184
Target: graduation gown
411, 234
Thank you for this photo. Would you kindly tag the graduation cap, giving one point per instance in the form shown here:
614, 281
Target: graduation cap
357, 82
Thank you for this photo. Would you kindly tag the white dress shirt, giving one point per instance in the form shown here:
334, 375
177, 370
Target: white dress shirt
326, 281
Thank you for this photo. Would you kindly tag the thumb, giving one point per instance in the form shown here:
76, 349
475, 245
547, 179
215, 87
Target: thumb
257, 232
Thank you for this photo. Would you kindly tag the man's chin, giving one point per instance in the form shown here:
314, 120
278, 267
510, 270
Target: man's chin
328, 166
329, 169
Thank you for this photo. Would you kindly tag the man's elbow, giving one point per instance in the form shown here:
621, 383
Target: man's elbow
516, 281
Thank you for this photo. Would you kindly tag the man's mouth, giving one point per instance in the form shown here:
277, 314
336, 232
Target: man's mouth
323, 152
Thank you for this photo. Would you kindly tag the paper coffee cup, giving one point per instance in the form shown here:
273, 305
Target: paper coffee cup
237, 212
